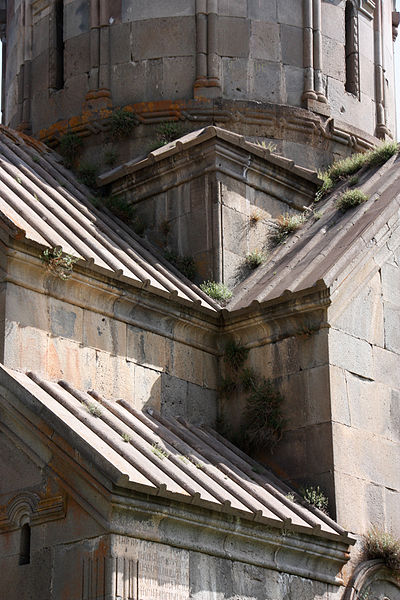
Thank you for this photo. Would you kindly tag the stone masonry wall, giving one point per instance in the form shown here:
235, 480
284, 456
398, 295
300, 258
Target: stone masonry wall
364, 354
293, 354
146, 52
99, 340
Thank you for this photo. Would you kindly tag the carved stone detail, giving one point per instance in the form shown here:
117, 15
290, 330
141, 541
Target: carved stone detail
372, 580
381, 130
30, 504
207, 82
367, 7
312, 41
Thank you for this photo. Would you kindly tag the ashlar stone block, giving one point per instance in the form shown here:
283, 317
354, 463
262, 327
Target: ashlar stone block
292, 42
120, 43
233, 37
232, 8
351, 353
290, 13
163, 37
76, 18
267, 82
367, 302
157, 9
103, 332
260, 10
265, 41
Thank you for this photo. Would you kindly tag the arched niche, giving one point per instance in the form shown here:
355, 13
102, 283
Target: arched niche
372, 580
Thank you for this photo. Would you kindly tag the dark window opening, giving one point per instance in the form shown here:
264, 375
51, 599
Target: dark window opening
25, 545
59, 44
351, 46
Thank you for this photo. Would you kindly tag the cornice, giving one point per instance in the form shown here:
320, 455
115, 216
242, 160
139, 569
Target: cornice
290, 550
91, 288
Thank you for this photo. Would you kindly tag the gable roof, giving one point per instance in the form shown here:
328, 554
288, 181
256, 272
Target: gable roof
42, 202
325, 251
158, 455
194, 138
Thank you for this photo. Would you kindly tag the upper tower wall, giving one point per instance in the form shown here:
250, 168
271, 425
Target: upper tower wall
79, 59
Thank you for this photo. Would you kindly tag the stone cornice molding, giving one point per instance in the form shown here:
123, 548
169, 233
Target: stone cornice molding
282, 317
278, 121
212, 156
284, 549
89, 289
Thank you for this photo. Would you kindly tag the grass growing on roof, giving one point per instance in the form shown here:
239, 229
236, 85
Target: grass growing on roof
286, 224
70, 147
347, 167
235, 354
217, 291
350, 199
255, 259
316, 497
87, 174
184, 264
122, 123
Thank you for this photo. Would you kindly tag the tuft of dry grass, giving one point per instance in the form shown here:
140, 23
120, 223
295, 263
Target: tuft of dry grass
350, 199
379, 544
286, 225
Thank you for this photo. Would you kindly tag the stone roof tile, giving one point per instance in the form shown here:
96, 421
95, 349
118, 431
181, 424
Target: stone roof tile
324, 251
42, 202
162, 456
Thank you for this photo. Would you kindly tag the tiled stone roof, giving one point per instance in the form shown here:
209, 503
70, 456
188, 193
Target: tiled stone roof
325, 251
157, 455
42, 202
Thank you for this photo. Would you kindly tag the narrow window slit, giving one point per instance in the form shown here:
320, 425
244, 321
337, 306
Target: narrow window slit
59, 15
25, 545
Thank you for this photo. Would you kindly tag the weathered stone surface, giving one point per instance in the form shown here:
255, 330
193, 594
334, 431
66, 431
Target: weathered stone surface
267, 82
264, 41
368, 453
104, 333
262, 11
120, 44
178, 77
233, 37
158, 9
232, 8
385, 367
290, 13
291, 40
163, 37
351, 353
368, 301
194, 403
76, 18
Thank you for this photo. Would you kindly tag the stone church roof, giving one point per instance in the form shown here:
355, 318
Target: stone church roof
327, 249
43, 203
157, 455
195, 138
